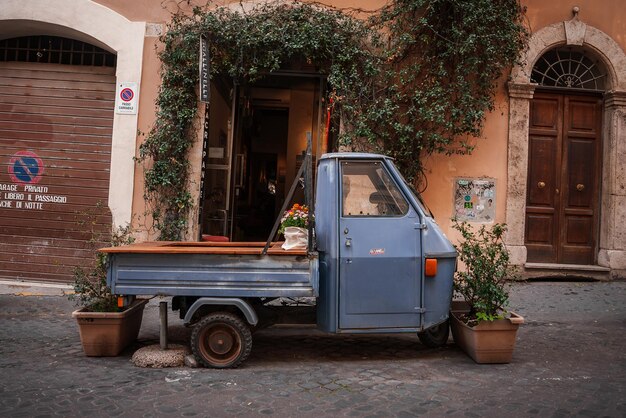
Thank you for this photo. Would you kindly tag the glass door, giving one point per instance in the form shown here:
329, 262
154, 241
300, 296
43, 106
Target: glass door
218, 167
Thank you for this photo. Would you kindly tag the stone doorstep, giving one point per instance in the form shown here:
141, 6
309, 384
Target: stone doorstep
565, 271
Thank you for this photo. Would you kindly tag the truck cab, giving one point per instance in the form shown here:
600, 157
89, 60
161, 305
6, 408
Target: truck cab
374, 236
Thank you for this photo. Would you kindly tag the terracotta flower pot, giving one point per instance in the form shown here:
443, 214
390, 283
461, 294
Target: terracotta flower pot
487, 342
108, 333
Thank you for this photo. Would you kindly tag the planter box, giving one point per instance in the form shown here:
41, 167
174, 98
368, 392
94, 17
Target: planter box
108, 333
487, 342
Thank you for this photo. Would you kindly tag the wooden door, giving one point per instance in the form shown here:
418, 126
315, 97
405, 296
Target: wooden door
562, 201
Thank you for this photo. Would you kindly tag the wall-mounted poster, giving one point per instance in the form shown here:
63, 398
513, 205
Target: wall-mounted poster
475, 199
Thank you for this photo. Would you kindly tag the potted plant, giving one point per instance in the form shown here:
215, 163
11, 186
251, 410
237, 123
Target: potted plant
294, 226
105, 329
485, 329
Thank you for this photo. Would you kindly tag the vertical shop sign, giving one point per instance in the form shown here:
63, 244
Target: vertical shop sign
205, 88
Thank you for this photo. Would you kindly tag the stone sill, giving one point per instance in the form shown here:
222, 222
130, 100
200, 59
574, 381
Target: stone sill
566, 267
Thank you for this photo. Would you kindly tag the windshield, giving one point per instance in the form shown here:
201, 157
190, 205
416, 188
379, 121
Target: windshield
418, 197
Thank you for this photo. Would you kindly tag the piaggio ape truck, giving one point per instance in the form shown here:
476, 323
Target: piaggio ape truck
376, 262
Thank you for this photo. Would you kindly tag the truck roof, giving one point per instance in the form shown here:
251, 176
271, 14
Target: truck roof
354, 156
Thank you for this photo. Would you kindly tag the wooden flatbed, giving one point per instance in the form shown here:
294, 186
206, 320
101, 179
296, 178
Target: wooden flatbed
226, 248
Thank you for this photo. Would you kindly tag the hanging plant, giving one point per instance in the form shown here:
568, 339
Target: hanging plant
425, 89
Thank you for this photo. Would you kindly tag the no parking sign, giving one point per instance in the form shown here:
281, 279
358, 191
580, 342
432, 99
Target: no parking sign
25, 167
126, 98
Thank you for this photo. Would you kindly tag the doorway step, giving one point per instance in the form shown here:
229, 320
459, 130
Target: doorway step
566, 272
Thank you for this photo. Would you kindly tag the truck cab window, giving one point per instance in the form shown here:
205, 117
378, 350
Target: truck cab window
368, 190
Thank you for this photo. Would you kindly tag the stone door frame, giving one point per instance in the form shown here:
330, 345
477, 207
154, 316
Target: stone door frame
612, 240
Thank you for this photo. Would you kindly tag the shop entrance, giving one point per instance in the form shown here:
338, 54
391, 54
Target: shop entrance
257, 136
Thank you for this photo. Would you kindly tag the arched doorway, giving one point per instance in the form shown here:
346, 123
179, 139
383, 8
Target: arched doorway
45, 125
564, 160
106, 29
610, 246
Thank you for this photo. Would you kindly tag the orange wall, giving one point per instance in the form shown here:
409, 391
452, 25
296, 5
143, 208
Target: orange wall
607, 15
160, 11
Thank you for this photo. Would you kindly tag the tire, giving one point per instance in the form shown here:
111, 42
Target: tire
436, 336
221, 340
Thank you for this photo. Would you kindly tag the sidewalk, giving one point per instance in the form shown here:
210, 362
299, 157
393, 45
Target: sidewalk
26, 288
570, 360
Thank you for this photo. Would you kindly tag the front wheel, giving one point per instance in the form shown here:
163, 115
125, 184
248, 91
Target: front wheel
436, 336
221, 340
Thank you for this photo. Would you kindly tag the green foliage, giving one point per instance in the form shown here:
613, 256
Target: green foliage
483, 282
90, 286
444, 61
414, 79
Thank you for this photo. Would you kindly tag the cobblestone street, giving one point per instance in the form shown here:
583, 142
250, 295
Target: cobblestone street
570, 360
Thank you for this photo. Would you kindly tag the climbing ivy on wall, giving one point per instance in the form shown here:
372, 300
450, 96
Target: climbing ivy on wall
416, 77
445, 59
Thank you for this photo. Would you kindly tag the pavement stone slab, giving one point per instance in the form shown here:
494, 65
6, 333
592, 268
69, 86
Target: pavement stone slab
569, 361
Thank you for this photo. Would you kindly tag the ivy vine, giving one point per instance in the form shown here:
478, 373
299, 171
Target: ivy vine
415, 78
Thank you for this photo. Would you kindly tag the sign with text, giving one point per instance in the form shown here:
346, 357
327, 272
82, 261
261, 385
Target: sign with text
126, 98
205, 78
26, 170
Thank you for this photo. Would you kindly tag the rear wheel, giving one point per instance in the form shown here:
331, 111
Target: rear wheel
436, 336
221, 340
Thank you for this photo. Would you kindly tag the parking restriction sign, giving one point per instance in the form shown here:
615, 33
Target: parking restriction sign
126, 98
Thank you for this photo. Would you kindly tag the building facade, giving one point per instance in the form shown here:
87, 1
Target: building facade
80, 79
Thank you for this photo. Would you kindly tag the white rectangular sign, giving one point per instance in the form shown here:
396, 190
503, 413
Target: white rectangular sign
126, 98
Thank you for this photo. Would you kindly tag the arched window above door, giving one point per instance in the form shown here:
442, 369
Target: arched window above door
54, 50
569, 68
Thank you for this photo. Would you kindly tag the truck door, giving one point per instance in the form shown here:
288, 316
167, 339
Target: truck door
379, 284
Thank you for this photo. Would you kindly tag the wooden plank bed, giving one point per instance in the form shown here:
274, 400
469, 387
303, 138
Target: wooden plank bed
186, 247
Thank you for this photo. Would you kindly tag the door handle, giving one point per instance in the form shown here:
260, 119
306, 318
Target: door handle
580, 187
541, 184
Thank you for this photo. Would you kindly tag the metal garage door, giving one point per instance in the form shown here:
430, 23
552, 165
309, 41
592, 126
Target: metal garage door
55, 150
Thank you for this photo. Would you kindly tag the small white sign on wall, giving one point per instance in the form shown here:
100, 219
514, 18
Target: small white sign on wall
126, 98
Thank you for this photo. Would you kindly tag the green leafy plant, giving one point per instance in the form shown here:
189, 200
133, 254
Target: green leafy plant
415, 78
486, 271
444, 60
90, 286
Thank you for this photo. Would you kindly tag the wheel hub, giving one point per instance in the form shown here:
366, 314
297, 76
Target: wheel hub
220, 342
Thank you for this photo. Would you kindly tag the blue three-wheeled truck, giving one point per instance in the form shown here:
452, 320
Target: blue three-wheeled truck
376, 263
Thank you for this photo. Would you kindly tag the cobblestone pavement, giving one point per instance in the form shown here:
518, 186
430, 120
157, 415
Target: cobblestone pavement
569, 360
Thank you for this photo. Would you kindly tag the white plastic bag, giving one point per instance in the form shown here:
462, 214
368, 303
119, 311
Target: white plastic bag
295, 238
